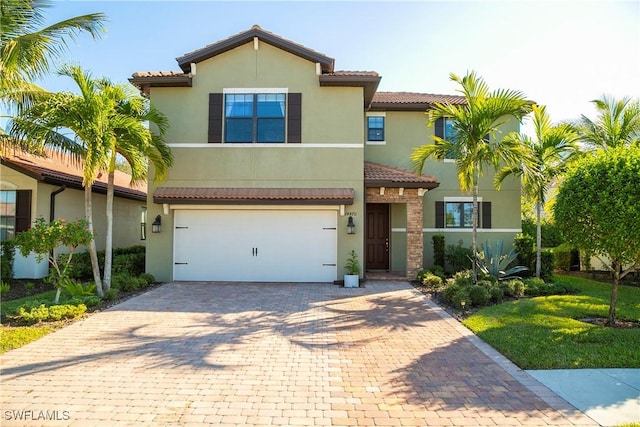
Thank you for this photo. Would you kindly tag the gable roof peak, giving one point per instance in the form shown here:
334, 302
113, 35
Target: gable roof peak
247, 36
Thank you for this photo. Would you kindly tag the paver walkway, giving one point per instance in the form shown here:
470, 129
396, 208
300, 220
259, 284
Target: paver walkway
271, 354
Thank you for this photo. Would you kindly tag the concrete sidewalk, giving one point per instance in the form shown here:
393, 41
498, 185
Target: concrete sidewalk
609, 396
246, 354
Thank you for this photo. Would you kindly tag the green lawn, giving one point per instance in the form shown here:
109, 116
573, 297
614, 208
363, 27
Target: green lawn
545, 333
16, 336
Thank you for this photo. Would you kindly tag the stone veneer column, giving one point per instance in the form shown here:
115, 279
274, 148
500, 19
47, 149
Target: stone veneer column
415, 237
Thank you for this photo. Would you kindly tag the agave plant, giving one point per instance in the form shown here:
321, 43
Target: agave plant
492, 261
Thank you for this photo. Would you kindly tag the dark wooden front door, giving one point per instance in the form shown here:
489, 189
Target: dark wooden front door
377, 239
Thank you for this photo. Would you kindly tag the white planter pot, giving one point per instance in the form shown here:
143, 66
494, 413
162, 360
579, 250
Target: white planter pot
351, 281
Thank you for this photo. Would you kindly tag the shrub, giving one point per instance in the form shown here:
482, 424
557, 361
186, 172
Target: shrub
78, 290
458, 257
421, 274
43, 313
551, 236
497, 294
432, 281
462, 295
562, 257
524, 245
129, 263
4, 288
438, 250
6, 259
111, 294
479, 295
450, 291
148, 278
438, 270
463, 278
512, 288
486, 283
548, 264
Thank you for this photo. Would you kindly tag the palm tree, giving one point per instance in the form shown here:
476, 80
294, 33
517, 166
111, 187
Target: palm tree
474, 144
107, 121
27, 49
88, 117
618, 123
138, 146
552, 149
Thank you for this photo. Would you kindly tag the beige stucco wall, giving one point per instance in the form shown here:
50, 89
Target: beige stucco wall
330, 155
329, 114
405, 130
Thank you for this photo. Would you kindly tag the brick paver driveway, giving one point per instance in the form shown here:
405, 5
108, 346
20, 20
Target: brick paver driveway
271, 354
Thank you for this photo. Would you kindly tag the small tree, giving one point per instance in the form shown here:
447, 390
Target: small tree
45, 239
598, 210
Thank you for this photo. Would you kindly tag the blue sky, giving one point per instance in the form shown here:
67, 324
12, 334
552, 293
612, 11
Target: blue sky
559, 53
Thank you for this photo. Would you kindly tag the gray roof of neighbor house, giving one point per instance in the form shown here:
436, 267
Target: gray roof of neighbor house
411, 101
368, 80
378, 175
279, 196
60, 169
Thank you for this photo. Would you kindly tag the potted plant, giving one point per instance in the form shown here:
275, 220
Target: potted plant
352, 278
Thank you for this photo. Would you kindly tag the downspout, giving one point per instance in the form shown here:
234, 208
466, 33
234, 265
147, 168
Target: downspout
52, 202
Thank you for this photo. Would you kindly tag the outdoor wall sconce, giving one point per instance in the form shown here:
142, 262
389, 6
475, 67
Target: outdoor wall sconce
155, 225
351, 226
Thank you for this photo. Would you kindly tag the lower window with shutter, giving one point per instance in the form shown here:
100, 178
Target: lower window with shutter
459, 214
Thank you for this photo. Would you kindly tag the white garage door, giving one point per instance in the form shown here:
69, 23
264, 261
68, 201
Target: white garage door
254, 246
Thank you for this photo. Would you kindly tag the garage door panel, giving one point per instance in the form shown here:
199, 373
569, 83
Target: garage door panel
247, 245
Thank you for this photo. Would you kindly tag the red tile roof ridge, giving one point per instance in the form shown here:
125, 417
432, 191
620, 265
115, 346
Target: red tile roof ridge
159, 74
56, 163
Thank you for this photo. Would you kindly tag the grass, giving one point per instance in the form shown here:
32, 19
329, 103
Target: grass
546, 333
16, 336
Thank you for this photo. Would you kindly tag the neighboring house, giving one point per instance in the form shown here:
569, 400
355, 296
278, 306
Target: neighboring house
276, 153
51, 187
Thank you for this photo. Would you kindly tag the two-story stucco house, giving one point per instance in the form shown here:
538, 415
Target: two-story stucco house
284, 165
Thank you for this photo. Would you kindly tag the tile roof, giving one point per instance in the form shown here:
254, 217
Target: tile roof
159, 74
378, 175
280, 196
60, 169
412, 100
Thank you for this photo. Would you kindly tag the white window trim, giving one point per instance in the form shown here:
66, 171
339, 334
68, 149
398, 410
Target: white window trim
461, 199
254, 90
376, 114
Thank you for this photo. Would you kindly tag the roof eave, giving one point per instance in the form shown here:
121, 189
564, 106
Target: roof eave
376, 183
145, 83
210, 51
368, 83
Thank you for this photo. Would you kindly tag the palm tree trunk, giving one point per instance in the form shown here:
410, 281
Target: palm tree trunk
93, 253
474, 230
108, 250
614, 293
538, 240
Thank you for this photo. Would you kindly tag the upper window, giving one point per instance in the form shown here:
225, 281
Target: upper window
450, 132
375, 128
255, 117
7, 215
445, 129
459, 214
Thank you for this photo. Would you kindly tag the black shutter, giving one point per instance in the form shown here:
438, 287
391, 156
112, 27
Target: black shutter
23, 210
439, 128
215, 117
294, 118
486, 214
439, 214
